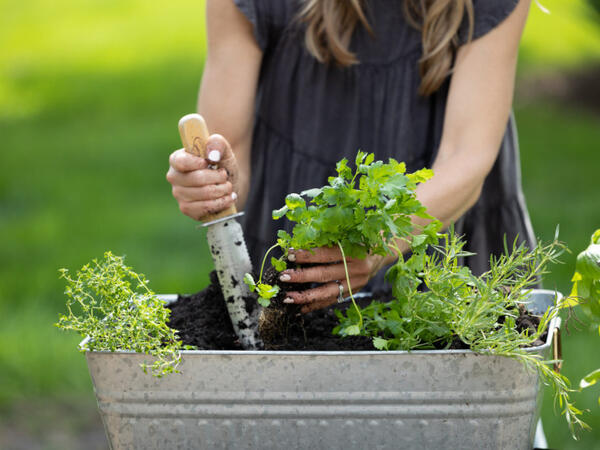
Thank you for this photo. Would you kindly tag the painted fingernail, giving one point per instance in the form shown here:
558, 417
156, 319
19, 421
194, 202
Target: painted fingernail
214, 155
288, 300
291, 257
285, 277
234, 196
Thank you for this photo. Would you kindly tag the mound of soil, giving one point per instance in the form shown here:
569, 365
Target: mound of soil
202, 321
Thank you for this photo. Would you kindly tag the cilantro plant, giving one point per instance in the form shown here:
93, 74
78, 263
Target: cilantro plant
114, 307
362, 211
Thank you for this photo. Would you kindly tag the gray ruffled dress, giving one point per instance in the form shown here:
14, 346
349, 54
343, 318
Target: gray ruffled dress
310, 115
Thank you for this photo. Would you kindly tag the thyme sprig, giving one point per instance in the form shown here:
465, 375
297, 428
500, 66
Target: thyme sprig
114, 307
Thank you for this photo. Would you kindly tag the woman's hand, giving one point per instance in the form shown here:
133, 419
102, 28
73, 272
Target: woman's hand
199, 189
329, 272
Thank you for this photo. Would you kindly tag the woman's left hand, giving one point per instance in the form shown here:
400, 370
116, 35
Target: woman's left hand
330, 272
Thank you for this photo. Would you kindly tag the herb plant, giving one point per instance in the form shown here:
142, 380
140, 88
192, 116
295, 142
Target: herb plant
443, 301
114, 307
586, 292
362, 211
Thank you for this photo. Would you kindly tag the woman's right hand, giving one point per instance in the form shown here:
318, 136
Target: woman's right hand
199, 189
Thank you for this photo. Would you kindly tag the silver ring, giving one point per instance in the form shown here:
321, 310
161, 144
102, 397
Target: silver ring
340, 298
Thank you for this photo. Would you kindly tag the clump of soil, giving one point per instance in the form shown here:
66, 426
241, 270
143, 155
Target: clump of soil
202, 321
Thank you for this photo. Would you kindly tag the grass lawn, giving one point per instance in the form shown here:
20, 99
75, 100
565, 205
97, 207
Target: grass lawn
90, 96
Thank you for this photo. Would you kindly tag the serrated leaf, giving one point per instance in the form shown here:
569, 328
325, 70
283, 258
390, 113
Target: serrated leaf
279, 264
266, 290
380, 343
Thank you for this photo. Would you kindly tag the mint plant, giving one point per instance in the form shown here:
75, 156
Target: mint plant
114, 307
361, 211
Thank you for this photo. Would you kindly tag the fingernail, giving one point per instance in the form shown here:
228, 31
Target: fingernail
285, 277
214, 155
291, 257
234, 196
288, 300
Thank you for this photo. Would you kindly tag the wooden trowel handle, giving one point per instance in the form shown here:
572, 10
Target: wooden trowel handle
194, 134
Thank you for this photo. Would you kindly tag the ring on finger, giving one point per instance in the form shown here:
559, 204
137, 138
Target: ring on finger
340, 298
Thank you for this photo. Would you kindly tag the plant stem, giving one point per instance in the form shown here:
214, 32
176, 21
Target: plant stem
263, 262
350, 287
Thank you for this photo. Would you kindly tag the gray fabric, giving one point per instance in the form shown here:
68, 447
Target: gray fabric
309, 116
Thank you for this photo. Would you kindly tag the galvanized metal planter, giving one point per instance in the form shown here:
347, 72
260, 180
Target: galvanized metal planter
450, 399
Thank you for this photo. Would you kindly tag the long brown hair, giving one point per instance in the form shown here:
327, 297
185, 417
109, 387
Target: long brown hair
330, 24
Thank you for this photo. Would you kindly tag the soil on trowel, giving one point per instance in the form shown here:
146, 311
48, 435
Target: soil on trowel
202, 321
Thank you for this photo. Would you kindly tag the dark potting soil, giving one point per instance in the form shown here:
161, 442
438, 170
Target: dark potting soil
202, 321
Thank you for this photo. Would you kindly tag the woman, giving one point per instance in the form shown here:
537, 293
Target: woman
296, 85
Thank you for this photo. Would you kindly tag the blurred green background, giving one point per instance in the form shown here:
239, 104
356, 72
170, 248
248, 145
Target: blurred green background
90, 95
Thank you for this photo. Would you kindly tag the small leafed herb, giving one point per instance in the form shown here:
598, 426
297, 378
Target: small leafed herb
114, 307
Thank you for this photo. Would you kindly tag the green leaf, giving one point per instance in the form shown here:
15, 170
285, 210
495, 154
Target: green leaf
279, 264
249, 280
590, 379
352, 330
279, 213
266, 290
265, 302
380, 343
294, 201
360, 157
312, 193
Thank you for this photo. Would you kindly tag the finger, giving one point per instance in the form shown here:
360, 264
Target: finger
316, 255
196, 178
317, 274
329, 290
324, 272
182, 161
325, 291
219, 151
195, 194
198, 210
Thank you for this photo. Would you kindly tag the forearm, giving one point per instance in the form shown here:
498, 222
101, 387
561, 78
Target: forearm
228, 89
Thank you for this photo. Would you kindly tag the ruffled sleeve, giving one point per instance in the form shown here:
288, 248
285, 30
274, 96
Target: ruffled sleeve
488, 15
252, 9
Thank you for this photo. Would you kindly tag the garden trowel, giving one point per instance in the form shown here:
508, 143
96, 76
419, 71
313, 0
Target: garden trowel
227, 247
